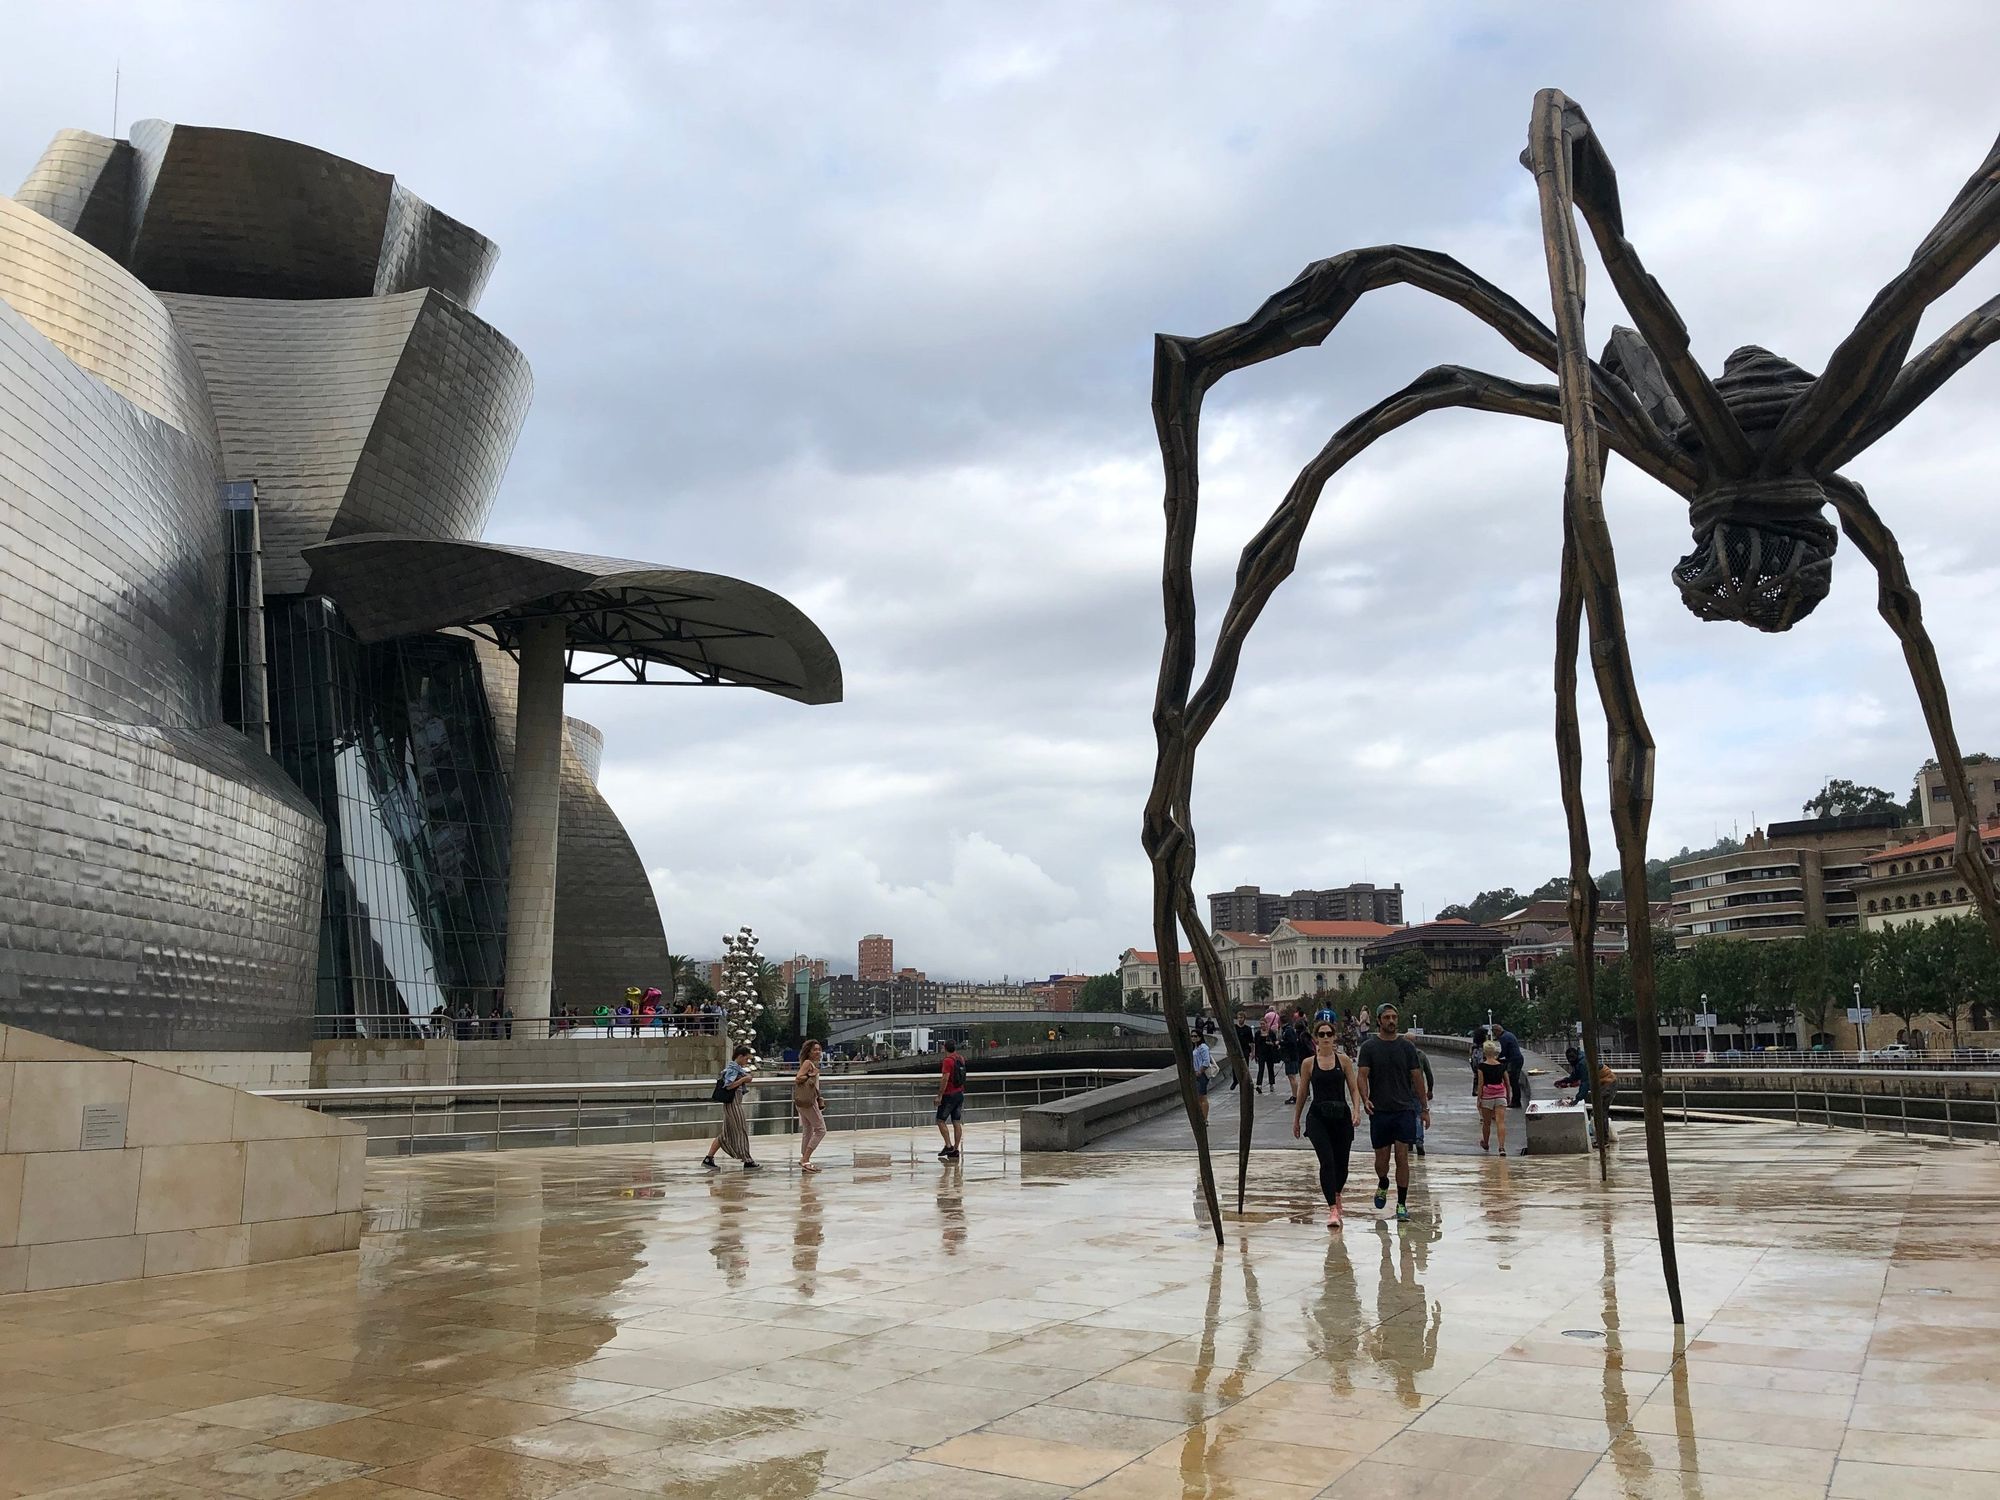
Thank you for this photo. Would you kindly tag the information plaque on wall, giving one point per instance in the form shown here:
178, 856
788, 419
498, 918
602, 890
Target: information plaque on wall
103, 1127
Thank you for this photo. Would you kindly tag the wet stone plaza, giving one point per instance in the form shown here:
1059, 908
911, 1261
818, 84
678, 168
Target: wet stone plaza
598, 1323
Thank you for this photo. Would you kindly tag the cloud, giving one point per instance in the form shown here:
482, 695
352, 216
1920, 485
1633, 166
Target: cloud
860, 305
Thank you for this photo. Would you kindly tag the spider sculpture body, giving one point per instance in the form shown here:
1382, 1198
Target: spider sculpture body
1755, 452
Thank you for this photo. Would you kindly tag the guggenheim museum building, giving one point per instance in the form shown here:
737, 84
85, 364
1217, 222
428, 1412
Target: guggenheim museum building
282, 743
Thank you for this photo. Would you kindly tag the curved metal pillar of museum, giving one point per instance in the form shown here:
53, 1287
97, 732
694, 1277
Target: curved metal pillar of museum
628, 622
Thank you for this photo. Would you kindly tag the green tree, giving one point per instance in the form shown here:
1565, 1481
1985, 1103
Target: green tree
1139, 1003
770, 982
1552, 991
1963, 956
1099, 992
1674, 992
680, 969
1375, 989
1721, 970
1260, 989
1555, 888
1920, 974
1812, 993
1485, 906
1408, 972
1839, 797
1772, 976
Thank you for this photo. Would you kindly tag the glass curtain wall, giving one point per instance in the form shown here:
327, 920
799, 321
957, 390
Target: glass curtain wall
394, 744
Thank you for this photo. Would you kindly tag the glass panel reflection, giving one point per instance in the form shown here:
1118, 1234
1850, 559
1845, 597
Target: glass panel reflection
394, 744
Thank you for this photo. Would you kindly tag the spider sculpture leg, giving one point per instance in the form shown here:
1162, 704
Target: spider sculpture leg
1582, 889
1592, 188
1920, 379
1182, 714
1209, 965
1897, 600
1861, 377
1631, 743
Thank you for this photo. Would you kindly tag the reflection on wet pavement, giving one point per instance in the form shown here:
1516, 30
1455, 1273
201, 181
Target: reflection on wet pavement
589, 1324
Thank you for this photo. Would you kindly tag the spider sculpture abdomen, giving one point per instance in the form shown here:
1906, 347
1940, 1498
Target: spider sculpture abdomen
1763, 548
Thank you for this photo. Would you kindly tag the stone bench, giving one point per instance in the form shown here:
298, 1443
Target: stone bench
1073, 1123
1558, 1130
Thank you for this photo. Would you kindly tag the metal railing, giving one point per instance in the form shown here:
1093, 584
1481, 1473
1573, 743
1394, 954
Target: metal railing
1954, 1059
502, 1028
1957, 1105
420, 1118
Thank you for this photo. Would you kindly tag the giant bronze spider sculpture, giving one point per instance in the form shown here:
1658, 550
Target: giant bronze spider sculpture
1756, 453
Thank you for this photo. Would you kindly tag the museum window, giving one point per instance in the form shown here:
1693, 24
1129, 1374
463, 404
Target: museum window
394, 745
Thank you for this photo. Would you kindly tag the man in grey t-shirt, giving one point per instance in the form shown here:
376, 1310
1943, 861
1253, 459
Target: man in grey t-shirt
1394, 1093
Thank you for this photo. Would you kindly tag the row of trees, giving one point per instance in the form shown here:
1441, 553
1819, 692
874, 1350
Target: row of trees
1947, 969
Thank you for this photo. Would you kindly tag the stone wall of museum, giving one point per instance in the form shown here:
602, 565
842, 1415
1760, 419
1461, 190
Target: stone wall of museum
112, 1170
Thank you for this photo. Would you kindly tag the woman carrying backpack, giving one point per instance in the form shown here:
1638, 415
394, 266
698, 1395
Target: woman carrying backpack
730, 1088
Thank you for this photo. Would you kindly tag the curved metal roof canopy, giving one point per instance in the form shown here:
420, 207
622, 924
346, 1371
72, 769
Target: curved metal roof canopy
639, 618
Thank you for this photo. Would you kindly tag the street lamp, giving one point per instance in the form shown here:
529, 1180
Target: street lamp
1710, 1027
1860, 1026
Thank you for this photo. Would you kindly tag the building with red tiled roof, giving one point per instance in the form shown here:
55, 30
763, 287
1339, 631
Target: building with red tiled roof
1916, 884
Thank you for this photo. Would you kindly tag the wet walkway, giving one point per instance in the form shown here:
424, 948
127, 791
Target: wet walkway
1454, 1129
596, 1323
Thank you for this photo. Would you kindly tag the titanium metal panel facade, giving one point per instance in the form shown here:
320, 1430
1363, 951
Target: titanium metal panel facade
103, 318
158, 874
231, 213
358, 415
83, 183
193, 307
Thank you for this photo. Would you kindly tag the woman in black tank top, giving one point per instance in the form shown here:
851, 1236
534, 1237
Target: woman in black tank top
1326, 1104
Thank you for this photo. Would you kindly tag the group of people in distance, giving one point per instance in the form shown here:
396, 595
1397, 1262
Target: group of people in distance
733, 1084
1339, 1069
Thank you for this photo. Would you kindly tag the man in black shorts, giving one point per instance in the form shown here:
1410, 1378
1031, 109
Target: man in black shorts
1398, 1104
951, 1103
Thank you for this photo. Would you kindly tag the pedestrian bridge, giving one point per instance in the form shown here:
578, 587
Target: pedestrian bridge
849, 1031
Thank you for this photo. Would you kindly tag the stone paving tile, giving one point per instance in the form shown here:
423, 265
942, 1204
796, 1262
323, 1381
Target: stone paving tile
528, 1325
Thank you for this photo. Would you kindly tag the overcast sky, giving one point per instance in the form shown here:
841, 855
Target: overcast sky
857, 302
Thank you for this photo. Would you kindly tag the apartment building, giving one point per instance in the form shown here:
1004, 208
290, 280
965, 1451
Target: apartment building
1247, 908
1934, 804
1785, 879
875, 958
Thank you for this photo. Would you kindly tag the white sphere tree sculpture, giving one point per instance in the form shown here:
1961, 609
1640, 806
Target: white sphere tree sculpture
740, 964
